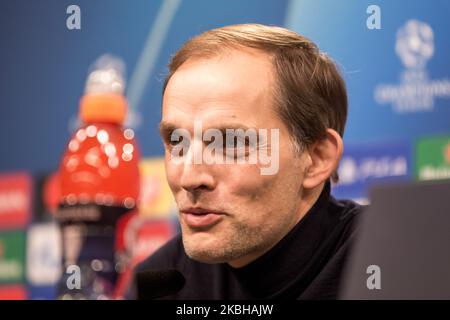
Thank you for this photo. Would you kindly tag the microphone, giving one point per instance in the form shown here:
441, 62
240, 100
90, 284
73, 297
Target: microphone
157, 284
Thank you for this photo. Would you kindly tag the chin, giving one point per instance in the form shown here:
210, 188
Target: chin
205, 256
201, 251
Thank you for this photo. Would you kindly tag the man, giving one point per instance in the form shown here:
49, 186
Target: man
246, 234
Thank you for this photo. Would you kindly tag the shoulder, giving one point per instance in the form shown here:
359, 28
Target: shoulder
347, 214
167, 257
345, 208
203, 281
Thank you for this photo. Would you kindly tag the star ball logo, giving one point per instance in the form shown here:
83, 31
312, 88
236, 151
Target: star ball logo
415, 44
415, 92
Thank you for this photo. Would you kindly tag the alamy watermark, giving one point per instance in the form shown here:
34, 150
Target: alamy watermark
73, 21
373, 21
374, 280
73, 281
227, 146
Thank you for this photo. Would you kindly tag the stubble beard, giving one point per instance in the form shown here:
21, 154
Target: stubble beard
236, 241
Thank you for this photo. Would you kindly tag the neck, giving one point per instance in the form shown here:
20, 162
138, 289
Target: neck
308, 199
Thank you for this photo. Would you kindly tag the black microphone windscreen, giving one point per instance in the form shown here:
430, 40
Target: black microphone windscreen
153, 284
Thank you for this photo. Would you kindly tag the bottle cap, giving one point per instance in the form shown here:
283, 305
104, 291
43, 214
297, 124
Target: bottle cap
104, 99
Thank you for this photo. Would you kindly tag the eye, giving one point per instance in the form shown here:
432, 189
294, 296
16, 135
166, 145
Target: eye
237, 146
174, 139
233, 142
237, 142
230, 142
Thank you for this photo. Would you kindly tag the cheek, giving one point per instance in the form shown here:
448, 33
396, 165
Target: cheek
173, 174
255, 201
263, 197
249, 188
247, 181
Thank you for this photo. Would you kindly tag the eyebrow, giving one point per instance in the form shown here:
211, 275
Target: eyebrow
165, 128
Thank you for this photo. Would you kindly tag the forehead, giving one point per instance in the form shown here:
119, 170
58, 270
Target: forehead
236, 85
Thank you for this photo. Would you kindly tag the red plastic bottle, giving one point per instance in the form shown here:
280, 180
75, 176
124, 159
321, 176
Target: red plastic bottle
99, 180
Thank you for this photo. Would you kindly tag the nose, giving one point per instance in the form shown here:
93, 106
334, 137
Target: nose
197, 175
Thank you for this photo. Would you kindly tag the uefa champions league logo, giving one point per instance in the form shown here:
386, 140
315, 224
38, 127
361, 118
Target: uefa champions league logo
415, 44
415, 92
352, 170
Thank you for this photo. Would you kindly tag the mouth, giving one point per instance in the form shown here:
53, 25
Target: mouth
201, 218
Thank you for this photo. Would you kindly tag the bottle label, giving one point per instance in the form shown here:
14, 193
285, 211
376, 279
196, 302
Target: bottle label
90, 214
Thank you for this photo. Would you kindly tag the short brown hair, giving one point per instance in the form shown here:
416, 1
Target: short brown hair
310, 94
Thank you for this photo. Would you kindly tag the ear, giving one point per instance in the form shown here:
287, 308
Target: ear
325, 155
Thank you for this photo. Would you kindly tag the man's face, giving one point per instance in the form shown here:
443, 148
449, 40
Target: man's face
229, 212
